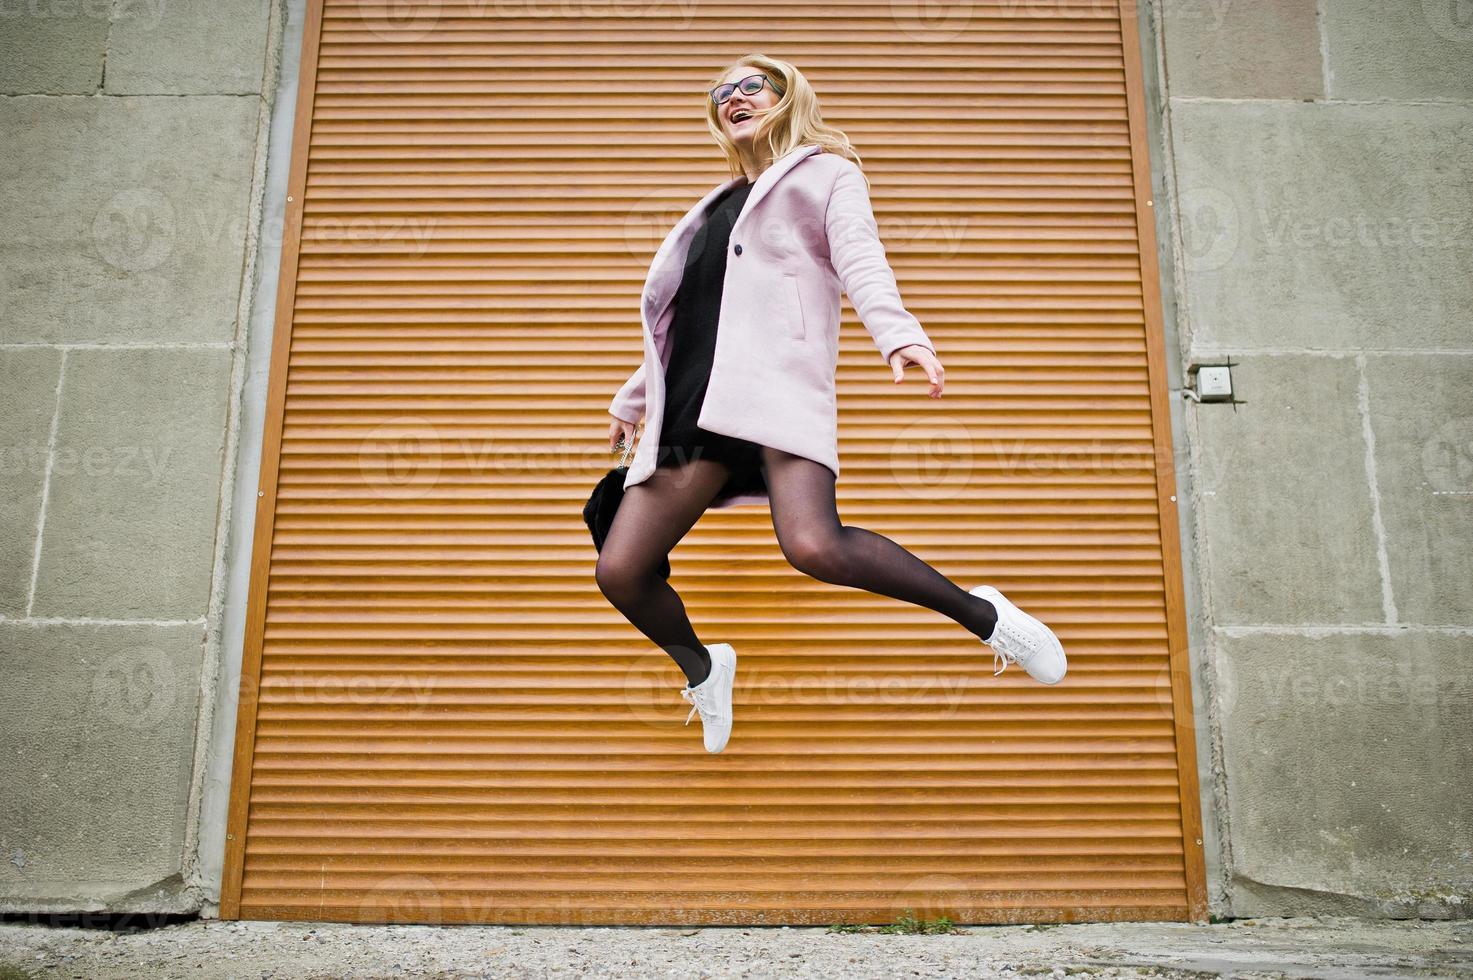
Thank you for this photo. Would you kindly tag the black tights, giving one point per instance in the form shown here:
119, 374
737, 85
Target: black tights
654, 515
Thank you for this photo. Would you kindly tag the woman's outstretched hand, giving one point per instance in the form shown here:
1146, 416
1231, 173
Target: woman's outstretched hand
924, 358
619, 428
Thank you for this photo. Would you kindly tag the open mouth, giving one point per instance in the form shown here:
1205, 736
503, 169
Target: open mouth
741, 115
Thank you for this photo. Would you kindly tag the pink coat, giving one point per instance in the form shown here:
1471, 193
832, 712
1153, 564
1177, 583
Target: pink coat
806, 229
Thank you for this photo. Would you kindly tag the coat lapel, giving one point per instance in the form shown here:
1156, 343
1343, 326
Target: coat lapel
767, 178
663, 279
696, 212
665, 268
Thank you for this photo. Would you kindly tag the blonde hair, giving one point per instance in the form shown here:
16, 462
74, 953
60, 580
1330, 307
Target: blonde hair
792, 122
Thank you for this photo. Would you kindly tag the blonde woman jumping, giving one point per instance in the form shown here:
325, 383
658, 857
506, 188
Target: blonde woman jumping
746, 414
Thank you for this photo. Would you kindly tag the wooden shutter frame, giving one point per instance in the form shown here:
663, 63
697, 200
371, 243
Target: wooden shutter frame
281, 343
1166, 493
1179, 656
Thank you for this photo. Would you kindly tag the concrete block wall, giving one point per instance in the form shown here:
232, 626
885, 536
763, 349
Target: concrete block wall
1315, 159
130, 181
1320, 164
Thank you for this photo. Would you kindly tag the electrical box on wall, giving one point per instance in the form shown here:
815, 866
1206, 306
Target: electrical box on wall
1214, 383
1210, 383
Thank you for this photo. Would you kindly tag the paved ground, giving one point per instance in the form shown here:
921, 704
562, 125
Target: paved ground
1313, 947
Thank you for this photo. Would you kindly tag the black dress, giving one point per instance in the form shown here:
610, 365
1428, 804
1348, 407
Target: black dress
693, 347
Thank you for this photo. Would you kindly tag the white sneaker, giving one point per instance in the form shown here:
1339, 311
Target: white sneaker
712, 697
1023, 640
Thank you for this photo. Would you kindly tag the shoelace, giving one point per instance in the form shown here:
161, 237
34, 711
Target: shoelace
702, 702
1003, 650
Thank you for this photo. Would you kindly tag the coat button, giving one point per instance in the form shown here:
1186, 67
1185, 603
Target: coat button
739, 248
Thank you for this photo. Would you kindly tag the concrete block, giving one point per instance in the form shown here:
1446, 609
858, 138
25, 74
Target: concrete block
98, 726
188, 47
1347, 760
1284, 499
52, 48
1421, 411
27, 404
109, 238
135, 485
1325, 226
1242, 50
1399, 49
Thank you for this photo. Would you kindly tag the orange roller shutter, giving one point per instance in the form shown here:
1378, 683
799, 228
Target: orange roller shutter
443, 720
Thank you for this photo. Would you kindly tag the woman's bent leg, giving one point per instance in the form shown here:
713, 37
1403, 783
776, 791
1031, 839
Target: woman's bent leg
652, 518
806, 519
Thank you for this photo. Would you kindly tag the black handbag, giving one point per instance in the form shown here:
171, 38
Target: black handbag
603, 503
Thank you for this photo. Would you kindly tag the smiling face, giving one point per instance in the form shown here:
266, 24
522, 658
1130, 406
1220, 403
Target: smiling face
738, 115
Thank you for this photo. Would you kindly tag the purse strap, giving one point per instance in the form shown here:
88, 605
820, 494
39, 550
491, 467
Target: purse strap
628, 448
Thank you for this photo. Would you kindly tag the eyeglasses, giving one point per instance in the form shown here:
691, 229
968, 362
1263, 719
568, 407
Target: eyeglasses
750, 85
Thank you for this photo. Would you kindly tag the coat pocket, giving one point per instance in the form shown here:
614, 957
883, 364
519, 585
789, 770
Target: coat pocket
793, 304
